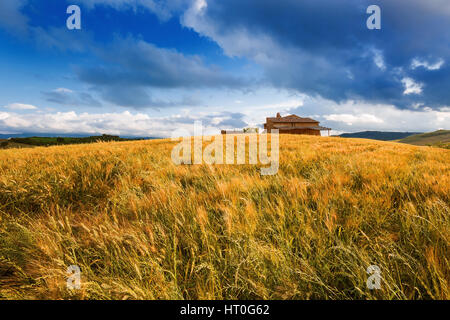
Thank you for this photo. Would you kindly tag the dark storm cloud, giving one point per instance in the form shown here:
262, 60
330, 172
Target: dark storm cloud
139, 97
232, 120
69, 97
317, 47
218, 120
324, 47
232, 123
132, 66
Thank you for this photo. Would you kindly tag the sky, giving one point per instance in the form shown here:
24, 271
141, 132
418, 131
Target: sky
150, 67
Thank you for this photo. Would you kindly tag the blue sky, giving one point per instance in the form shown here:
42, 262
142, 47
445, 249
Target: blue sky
148, 67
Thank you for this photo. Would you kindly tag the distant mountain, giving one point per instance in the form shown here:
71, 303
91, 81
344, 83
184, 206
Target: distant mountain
379, 135
431, 138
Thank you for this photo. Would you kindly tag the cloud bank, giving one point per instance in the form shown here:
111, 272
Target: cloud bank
351, 78
323, 48
119, 123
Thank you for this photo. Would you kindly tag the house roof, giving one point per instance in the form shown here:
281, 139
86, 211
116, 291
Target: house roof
292, 118
312, 128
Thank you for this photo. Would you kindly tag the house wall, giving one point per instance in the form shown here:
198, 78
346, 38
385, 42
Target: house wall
310, 132
302, 125
270, 125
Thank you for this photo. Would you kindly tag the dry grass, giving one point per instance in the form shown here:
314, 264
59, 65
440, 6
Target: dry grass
142, 228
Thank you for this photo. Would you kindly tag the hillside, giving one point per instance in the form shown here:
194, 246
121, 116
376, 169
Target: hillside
6, 144
53, 141
38, 141
440, 137
379, 135
47, 141
141, 227
41, 134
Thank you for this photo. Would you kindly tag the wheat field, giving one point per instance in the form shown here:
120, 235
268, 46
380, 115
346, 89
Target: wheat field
140, 227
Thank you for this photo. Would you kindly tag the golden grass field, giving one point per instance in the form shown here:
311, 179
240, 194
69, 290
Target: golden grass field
141, 227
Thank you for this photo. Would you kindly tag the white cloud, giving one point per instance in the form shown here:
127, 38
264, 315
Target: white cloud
162, 9
416, 63
349, 119
200, 5
20, 106
411, 87
4, 115
279, 105
238, 43
378, 59
387, 118
346, 117
354, 116
63, 90
123, 123
13, 121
